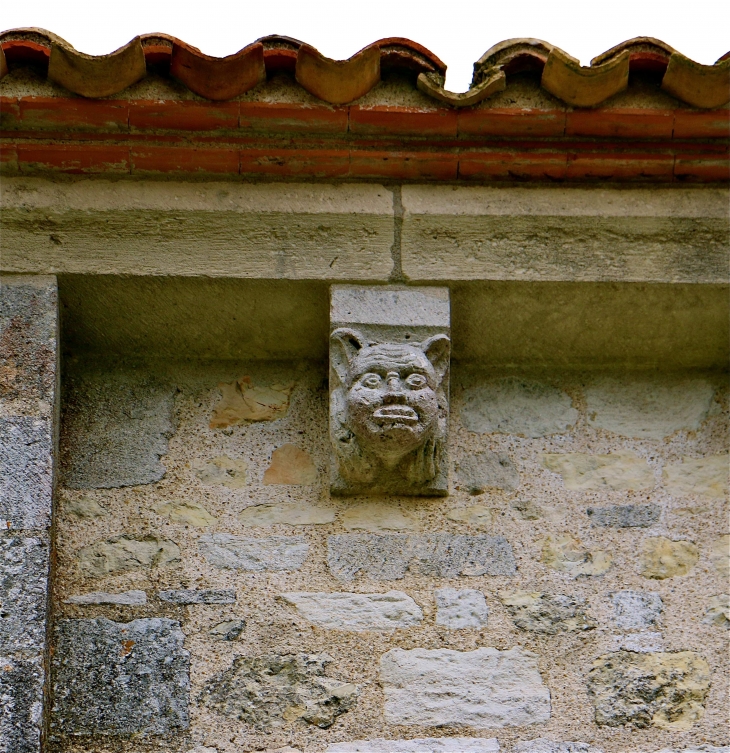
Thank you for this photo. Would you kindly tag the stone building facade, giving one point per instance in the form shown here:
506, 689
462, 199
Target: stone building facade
340, 412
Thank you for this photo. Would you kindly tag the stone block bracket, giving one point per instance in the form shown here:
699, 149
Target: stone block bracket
389, 385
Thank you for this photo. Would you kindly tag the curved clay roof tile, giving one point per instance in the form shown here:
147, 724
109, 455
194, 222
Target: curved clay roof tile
97, 75
565, 78
433, 85
338, 81
704, 86
218, 78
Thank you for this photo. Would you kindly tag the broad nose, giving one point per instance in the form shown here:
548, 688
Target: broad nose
394, 387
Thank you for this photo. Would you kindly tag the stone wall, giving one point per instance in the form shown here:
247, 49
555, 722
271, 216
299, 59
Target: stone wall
570, 594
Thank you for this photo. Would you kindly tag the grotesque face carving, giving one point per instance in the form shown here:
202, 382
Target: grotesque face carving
390, 406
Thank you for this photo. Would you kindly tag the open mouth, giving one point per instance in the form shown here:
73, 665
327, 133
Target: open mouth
400, 413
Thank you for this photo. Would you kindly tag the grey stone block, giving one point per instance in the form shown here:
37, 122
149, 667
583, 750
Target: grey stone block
270, 691
440, 555
21, 704
28, 338
242, 553
484, 470
625, 516
458, 610
636, 610
24, 563
230, 630
204, 596
419, 745
116, 426
542, 745
125, 599
113, 678
122, 553
26, 472
548, 614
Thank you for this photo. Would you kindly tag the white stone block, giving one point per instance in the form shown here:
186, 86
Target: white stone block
419, 745
460, 609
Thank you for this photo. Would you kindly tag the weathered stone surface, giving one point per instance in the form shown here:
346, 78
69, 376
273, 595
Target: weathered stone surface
699, 749
244, 402
441, 555
619, 471
290, 514
484, 470
24, 564
704, 476
625, 516
665, 690
223, 471
636, 610
485, 688
542, 745
419, 745
26, 472
115, 678
290, 465
663, 558
230, 630
357, 612
21, 704
84, 507
186, 512
516, 406
527, 509
377, 517
647, 409
122, 553
115, 430
566, 554
479, 516
275, 691
241, 553
720, 555
718, 611
548, 614
126, 598
460, 610
645, 642
204, 596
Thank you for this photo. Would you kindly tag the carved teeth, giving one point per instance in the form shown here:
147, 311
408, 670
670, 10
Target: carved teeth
396, 413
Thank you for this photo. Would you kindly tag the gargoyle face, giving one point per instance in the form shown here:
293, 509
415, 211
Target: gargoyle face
391, 391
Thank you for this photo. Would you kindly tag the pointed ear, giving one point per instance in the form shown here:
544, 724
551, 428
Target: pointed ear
345, 344
438, 351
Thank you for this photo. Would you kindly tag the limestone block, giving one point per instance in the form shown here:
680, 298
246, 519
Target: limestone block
186, 512
527, 509
357, 612
389, 390
440, 555
290, 514
704, 476
639, 642
257, 555
663, 558
459, 610
244, 402
486, 688
272, 691
648, 408
84, 507
115, 678
566, 554
419, 745
290, 465
229, 630
625, 516
478, 516
720, 555
203, 596
718, 611
483, 470
698, 749
665, 690
21, 704
378, 517
26, 472
116, 429
542, 745
223, 471
126, 598
619, 471
122, 553
517, 406
636, 610
24, 566
548, 614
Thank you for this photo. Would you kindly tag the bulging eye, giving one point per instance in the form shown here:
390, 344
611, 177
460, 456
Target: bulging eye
416, 381
371, 381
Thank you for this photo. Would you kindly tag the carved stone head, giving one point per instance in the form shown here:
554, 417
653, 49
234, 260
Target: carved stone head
389, 411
